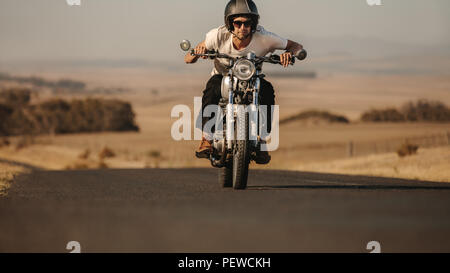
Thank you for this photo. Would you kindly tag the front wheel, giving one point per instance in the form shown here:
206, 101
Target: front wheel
241, 156
226, 175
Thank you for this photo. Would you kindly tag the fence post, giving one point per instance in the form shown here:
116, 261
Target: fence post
350, 149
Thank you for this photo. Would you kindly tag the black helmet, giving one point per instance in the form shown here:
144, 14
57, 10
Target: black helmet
241, 7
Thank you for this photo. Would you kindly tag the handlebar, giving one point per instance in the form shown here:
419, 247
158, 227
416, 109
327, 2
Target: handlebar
274, 59
212, 54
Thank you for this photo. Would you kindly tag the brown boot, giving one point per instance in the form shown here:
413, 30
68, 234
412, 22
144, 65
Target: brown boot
204, 150
262, 157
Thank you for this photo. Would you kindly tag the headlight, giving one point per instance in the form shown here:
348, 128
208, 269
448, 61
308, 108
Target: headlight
226, 82
244, 69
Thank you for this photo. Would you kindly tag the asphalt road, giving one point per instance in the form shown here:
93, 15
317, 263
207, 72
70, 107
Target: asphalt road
185, 210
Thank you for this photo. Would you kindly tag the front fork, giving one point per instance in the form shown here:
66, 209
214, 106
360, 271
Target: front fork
253, 115
230, 115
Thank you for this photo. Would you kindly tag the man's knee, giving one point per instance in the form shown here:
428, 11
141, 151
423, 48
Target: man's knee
211, 94
267, 93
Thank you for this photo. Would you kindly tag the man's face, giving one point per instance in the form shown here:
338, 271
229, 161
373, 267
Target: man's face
242, 27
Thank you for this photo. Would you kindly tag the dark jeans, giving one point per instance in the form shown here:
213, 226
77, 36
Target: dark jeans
212, 95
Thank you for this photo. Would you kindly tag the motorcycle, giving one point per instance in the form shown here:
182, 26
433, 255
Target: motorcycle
237, 139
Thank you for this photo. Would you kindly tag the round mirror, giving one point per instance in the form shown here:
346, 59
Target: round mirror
185, 45
301, 55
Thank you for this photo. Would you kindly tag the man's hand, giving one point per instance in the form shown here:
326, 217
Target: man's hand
201, 49
291, 46
285, 58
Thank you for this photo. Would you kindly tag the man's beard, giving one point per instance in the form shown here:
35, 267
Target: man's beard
243, 38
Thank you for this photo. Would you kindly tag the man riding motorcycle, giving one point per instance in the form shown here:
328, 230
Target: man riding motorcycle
240, 35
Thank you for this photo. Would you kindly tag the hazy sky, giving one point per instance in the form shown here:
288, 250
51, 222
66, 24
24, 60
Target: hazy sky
152, 29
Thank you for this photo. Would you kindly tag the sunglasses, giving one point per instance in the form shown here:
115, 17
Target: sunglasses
238, 24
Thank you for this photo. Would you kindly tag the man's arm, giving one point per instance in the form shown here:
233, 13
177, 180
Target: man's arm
199, 49
292, 49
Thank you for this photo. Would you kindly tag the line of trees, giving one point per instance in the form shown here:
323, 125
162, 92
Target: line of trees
421, 110
40, 82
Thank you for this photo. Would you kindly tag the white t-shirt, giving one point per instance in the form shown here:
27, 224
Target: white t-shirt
220, 39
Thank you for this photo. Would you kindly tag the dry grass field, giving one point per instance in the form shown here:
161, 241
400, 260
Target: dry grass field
7, 174
303, 146
432, 164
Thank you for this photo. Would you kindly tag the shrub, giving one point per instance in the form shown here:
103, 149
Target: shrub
77, 166
5, 113
24, 141
19, 123
59, 116
38, 82
70, 84
154, 154
424, 110
106, 153
85, 154
323, 115
15, 97
102, 165
407, 149
385, 115
4, 142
